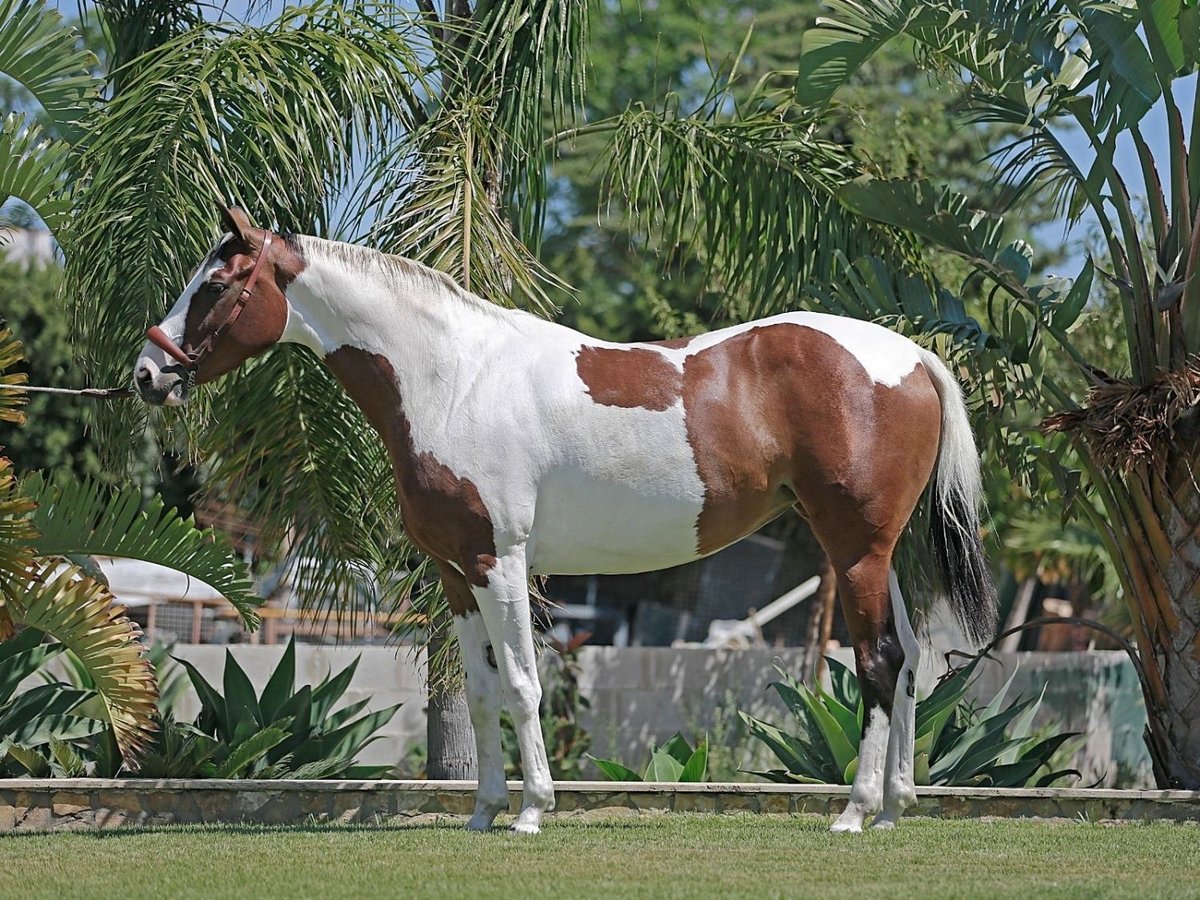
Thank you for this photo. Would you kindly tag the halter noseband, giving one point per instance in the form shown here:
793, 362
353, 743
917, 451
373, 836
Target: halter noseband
191, 361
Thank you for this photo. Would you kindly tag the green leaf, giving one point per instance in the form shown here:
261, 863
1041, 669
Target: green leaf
1125, 67
1067, 312
847, 719
85, 517
678, 748
696, 768
41, 53
663, 767
839, 745
792, 752
844, 684
834, 49
937, 214
241, 704
613, 770
35, 169
281, 685
326, 695
1017, 258
246, 753
213, 716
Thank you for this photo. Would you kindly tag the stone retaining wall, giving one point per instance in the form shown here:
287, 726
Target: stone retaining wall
92, 804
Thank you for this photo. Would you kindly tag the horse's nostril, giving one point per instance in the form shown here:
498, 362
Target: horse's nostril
143, 376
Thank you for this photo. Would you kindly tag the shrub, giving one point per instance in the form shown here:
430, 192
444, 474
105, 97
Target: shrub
955, 743
675, 760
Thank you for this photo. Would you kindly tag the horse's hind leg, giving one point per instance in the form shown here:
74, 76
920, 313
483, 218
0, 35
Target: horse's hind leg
899, 787
878, 657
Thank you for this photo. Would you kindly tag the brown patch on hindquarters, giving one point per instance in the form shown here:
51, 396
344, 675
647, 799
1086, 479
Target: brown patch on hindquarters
783, 412
443, 512
633, 378
261, 323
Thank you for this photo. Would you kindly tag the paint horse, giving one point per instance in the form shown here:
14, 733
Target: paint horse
520, 446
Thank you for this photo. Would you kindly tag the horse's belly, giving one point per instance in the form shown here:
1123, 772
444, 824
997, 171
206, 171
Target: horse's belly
590, 525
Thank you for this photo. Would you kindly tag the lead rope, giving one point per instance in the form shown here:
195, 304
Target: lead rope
94, 393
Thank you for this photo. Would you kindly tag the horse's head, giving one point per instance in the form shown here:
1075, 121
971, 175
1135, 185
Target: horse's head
233, 309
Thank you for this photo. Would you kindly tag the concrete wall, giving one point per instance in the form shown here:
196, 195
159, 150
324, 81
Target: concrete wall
643, 695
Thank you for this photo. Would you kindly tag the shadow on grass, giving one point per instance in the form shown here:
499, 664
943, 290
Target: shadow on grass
656, 822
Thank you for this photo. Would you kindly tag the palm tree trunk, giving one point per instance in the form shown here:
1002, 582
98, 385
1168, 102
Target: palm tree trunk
1167, 608
450, 740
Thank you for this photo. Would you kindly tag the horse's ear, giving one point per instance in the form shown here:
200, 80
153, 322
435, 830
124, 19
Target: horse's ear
235, 220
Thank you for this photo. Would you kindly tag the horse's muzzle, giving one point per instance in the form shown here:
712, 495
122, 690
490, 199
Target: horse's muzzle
165, 387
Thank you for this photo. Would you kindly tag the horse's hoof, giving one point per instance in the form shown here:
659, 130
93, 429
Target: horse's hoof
883, 822
480, 823
525, 828
846, 826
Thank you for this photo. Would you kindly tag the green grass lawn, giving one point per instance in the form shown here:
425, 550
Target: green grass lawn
662, 856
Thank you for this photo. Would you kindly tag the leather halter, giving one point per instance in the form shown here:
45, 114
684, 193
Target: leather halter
191, 361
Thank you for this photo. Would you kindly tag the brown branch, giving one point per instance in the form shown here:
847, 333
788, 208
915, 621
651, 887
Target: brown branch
428, 11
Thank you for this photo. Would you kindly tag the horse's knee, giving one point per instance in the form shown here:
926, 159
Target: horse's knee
524, 698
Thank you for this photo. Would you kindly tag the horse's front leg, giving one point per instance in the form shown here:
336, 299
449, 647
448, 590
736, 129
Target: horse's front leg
504, 605
483, 700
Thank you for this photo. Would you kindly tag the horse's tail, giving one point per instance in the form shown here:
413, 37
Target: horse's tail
954, 512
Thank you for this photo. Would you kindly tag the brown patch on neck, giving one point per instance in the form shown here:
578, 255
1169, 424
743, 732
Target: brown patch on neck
443, 513
629, 378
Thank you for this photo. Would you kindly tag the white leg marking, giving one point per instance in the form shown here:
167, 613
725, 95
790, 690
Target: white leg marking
899, 787
504, 605
483, 698
866, 794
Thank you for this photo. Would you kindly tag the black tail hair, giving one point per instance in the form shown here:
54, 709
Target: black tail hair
962, 564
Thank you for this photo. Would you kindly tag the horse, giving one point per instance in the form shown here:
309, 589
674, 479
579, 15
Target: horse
522, 447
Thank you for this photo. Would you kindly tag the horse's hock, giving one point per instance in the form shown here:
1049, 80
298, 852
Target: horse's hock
95, 804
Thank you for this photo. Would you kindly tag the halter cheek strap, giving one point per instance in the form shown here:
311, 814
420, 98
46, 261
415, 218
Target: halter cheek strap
191, 361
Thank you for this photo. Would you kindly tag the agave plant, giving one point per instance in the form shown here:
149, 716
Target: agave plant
675, 761
955, 744
284, 732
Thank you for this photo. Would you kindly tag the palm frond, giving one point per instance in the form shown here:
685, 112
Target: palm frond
752, 195
446, 211
85, 518
40, 52
35, 169
300, 459
81, 614
529, 56
266, 115
11, 353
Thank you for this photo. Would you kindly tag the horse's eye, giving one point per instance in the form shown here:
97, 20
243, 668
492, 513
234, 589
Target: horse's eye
214, 287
